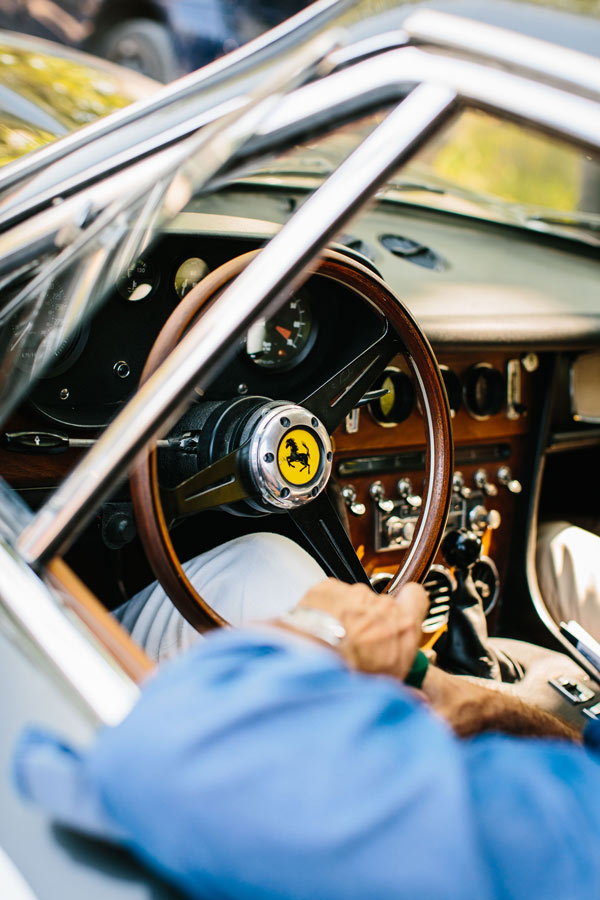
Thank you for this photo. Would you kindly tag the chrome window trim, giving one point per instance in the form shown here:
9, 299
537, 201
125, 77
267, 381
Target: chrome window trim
60, 643
386, 78
531, 56
206, 88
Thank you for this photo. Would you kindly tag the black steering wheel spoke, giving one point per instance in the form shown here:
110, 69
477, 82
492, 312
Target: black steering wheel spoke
218, 484
321, 526
332, 402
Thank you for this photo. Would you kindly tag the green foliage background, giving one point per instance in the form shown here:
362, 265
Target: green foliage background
589, 7
499, 159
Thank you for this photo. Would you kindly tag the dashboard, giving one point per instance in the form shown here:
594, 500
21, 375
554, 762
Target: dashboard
320, 328
496, 305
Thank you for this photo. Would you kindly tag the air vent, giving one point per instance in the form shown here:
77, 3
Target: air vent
487, 583
359, 250
413, 251
440, 585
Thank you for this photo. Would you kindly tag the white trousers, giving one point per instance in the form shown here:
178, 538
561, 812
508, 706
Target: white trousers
568, 569
249, 579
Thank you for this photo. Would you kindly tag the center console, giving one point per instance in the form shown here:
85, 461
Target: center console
380, 465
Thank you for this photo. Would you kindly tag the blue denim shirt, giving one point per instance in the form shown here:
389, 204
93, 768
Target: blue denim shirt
259, 766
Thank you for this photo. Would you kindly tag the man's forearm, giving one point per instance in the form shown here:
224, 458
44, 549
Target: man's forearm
472, 709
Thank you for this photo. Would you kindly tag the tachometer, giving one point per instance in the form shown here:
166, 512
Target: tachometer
284, 340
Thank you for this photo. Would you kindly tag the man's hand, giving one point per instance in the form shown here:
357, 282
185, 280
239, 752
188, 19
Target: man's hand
382, 631
382, 637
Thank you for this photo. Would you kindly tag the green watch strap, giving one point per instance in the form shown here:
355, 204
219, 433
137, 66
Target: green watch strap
418, 670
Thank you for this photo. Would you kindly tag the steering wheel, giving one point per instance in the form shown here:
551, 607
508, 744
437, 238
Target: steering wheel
252, 453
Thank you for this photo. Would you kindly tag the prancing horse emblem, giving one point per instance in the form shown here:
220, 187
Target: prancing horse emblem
296, 456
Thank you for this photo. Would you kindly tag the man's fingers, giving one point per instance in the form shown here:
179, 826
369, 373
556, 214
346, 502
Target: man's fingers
415, 600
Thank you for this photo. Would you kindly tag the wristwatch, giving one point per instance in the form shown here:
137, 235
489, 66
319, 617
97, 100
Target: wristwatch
330, 630
317, 623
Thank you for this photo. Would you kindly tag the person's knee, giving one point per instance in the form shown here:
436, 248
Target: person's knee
253, 577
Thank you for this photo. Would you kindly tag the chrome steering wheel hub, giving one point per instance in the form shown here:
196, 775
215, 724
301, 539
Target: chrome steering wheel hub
290, 456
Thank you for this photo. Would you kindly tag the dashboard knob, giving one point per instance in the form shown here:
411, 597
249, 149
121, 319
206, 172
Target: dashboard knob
398, 530
408, 531
494, 519
459, 487
393, 528
377, 493
480, 518
481, 481
376, 490
349, 498
511, 484
405, 490
461, 548
404, 487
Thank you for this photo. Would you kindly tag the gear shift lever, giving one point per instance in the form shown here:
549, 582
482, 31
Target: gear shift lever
461, 549
467, 650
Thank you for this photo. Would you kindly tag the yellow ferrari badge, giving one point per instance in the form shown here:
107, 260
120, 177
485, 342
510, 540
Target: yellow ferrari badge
298, 456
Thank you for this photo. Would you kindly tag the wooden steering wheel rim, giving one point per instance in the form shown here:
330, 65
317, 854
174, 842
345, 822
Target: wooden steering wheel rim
151, 522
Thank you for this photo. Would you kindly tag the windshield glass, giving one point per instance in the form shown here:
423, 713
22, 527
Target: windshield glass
479, 165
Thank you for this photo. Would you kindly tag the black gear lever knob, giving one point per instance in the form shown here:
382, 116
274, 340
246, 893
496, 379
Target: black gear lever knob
461, 548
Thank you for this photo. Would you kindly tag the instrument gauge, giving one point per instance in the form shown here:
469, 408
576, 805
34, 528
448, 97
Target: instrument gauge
138, 281
453, 389
285, 339
398, 403
189, 274
484, 391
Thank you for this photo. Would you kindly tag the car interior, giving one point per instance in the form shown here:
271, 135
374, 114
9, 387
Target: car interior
412, 401
509, 314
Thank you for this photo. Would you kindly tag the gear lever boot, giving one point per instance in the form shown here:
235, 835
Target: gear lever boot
467, 649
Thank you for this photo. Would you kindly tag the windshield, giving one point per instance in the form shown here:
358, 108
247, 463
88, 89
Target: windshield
57, 264
479, 165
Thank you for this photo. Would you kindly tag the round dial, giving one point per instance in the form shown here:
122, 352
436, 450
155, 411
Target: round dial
453, 389
138, 281
282, 341
485, 391
397, 404
189, 274
53, 359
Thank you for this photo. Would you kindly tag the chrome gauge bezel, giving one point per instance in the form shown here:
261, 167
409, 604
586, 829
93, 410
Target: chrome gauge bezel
296, 360
472, 371
393, 370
